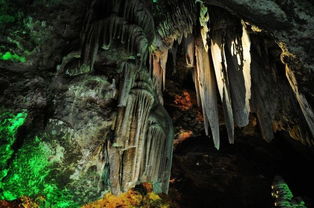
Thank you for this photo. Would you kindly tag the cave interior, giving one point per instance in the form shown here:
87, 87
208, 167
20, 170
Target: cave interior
156, 103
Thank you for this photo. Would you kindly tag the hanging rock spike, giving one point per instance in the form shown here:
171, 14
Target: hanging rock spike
160, 58
220, 65
206, 89
189, 45
305, 106
237, 50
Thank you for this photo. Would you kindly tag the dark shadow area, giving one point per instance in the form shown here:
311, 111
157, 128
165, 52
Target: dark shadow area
238, 175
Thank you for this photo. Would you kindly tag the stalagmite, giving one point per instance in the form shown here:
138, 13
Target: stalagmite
220, 65
207, 92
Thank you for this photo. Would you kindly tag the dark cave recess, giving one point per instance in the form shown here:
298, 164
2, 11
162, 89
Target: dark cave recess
239, 175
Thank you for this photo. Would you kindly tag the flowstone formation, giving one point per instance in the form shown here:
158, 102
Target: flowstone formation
141, 150
107, 131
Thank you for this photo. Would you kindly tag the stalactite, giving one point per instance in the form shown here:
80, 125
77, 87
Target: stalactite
206, 89
238, 57
197, 88
305, 106
189, 51
136, 13
264, 95
220, 65
125, 22
204, 19
133, 11
159, 71
173, 51
101, 34
71, 65
179, 20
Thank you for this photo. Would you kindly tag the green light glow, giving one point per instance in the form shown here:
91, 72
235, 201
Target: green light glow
9, 125
283, 195
12, 57
30, 172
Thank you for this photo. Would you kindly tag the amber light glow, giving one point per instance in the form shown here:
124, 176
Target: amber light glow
184, 101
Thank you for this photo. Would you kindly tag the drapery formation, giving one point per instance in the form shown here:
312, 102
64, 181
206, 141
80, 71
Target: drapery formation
141, 147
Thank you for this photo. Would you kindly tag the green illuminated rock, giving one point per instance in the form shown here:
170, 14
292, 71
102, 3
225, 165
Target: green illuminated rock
12, 57
9, 125
30, 172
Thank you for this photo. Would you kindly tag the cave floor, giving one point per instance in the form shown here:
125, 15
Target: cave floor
238, 175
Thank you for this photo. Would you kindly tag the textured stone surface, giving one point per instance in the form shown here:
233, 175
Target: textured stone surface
86, 86
88, 95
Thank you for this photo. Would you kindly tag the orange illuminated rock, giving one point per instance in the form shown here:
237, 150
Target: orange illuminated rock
184, 101
184, 135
